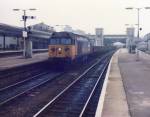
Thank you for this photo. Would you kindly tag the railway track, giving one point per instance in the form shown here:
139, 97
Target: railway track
91, 107
31, 98
11, 92
12, 76
74, 100
21, 69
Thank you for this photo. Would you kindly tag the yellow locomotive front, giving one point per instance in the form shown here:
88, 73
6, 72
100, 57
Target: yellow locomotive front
62, 47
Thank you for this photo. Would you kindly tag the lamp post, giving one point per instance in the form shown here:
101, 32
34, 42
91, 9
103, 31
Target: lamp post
24, 33
138, 23
138, 18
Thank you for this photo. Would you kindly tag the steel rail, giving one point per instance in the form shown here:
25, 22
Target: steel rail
3, 74
2, 89
70, 85
35, 86
92, 92
26, 69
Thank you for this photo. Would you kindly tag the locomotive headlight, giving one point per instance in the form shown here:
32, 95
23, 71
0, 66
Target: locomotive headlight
59, 49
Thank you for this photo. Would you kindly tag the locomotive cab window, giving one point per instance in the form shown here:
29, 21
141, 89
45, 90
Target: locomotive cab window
54, 41
66, 41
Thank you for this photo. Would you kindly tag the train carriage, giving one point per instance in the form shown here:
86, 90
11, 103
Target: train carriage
68, 46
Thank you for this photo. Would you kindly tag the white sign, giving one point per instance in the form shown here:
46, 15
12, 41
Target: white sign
24, 34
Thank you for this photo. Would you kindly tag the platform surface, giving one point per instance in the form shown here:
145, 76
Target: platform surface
136, 79
115, 102
128, 87
9, 62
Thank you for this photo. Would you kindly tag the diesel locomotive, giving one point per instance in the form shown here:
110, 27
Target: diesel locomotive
68, 46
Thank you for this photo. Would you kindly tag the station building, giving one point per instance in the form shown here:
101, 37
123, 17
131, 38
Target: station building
11, 36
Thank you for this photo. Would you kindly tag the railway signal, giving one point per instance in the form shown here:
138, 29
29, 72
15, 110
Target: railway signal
24, 33
28, 17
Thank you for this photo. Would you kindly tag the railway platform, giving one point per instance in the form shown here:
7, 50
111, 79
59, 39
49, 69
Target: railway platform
15, 61
127, 92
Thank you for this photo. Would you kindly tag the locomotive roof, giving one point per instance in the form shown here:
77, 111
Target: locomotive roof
66, 34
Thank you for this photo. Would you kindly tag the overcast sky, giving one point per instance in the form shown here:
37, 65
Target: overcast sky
80, 14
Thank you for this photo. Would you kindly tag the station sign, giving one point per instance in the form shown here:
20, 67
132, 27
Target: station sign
24, 34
